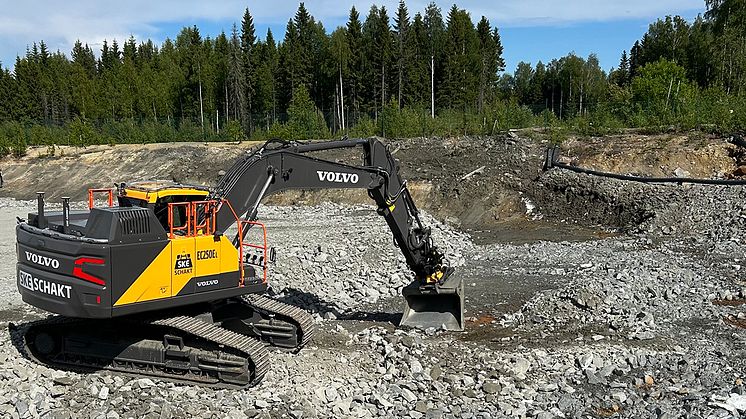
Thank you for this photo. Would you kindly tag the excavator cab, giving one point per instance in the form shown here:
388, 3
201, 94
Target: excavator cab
157, 195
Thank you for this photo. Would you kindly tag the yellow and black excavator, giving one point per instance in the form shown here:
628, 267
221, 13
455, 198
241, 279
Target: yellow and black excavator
158, 285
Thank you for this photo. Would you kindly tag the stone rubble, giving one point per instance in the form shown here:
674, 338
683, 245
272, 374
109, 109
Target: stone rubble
630, 325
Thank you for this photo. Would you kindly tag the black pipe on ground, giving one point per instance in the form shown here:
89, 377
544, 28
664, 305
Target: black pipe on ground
552, 160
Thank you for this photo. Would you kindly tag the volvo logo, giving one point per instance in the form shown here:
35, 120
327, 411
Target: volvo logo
337, 177
42, 260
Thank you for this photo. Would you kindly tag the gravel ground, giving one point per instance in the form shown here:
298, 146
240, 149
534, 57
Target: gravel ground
636, 324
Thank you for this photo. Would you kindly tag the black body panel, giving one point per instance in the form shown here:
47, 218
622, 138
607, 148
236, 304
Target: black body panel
63, 294
128, 261
184, 300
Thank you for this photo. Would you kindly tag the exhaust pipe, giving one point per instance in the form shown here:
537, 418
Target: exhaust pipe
65, 214
41, 220
440, 306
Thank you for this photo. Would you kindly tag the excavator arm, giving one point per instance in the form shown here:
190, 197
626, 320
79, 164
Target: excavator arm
435, 297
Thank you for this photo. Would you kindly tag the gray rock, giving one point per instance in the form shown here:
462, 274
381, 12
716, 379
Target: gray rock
435, 372
408, 395
331, 394
22, 408
491, 387
420, 406
145, 383
64, 380
520, 366
681, 173
584, 361
593, 378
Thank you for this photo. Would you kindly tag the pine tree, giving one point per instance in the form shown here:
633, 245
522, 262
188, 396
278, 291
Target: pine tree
222, 52
378, 49
83, 56
340, 56
354, 35
621, 76
634, 60
236, 80
304, 25
289, 65
436, 42
402, 53
267, 79
461, 66
248, 44
417, 77
491, 61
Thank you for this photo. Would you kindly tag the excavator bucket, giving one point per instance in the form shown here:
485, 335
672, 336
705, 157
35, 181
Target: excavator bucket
438, 305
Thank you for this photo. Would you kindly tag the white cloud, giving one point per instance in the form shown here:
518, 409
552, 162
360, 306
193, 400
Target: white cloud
91, 21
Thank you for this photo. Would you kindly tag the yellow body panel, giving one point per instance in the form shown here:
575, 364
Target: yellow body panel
180, 261
152, 196
208, 255
183, 256
228, 256
153, 283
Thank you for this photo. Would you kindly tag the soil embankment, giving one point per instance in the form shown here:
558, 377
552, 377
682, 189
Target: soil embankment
474, 183
435, 168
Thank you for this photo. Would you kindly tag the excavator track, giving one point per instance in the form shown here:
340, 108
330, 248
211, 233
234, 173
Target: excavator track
269, 307
180, 348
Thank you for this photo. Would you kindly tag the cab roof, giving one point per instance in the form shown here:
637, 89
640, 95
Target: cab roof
152, 190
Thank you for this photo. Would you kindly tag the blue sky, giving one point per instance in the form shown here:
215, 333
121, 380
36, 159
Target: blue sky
531, 30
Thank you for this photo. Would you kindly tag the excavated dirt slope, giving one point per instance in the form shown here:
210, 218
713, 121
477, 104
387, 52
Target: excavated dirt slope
434, 167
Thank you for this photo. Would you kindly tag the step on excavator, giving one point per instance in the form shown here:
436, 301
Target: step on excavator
169, 280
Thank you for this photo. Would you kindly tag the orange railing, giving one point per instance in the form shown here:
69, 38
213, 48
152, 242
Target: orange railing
260, 250
200, 218
110, 191
186, 227
207, 212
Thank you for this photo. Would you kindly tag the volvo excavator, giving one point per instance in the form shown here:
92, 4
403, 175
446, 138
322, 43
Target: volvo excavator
169, 280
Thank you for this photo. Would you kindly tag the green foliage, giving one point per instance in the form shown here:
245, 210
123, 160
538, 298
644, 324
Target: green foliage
80, 133
662, 91
377, 74
233, 130
304, 119
364, 127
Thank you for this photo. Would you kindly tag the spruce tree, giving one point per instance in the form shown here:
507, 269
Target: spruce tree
635, 59
354, 35
436, 40
237, 108
402, 53
461, 65
490, 63
248, 43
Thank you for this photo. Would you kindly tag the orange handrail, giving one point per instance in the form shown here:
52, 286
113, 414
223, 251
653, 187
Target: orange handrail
187, 226
110, 191
207, 226
263, 248
193, 227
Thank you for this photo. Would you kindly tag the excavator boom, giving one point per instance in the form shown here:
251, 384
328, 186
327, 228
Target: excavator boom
435, 297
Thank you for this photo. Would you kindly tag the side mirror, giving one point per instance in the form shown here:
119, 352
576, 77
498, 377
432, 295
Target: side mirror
272, 255
216, 236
